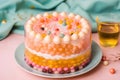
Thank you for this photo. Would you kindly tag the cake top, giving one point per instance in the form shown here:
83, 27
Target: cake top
57, 26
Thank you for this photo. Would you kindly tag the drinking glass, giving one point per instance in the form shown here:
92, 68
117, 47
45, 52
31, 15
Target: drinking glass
108, 33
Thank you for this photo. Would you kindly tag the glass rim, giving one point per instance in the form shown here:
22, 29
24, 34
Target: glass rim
109, 23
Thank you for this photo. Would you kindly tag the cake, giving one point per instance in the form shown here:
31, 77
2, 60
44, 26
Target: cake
57, 43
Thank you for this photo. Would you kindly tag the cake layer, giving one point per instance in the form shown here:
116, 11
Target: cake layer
57, 28
59, 49
60, 63
57, 56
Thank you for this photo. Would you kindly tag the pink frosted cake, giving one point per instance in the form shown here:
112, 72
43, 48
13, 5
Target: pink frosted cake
57, 43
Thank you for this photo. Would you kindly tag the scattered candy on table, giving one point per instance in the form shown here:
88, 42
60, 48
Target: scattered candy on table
106, 62
104, 58
112, 71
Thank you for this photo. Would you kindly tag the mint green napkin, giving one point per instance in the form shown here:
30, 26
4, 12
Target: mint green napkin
14, 13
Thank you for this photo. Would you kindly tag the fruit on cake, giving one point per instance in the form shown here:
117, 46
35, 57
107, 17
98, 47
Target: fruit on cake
57, 43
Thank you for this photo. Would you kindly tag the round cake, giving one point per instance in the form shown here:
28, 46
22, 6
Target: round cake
57, 43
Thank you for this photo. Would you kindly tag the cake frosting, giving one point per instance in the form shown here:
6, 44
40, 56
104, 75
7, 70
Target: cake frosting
57, 42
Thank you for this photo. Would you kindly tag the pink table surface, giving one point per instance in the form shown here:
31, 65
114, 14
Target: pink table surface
9, 70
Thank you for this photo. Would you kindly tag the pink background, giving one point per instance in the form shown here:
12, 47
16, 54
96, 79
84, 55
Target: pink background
9, 70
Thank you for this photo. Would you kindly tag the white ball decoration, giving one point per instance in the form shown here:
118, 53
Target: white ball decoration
32, 34
38, 37
77, 17
63, 14
56, 40
81, 35
47, 39
30, 22
74, 36
84, 30
66, 39
33, 19
46, 14
28, 28
38, 16
71, 15
55, 14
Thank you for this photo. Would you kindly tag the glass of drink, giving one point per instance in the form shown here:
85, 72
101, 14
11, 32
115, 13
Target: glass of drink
108, 33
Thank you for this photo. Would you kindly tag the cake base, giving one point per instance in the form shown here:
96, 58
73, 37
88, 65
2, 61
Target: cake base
60, 66
57, 70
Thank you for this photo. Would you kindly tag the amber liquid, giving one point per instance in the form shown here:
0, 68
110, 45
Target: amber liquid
108, 34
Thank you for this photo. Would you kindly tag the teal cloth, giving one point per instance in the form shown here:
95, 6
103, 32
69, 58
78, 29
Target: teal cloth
17, 12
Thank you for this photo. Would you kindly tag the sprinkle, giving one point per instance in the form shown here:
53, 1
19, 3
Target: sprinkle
43, 35
60, 21
68, 23
49, 32
62, 35
69, 27
42, 28
78, 26
42, 20
64, 23
3, 21
71, 33
56, 29
77, 23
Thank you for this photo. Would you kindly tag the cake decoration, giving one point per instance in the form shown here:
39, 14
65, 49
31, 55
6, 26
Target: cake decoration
71, 15
66, 39
74, 36
56, 40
